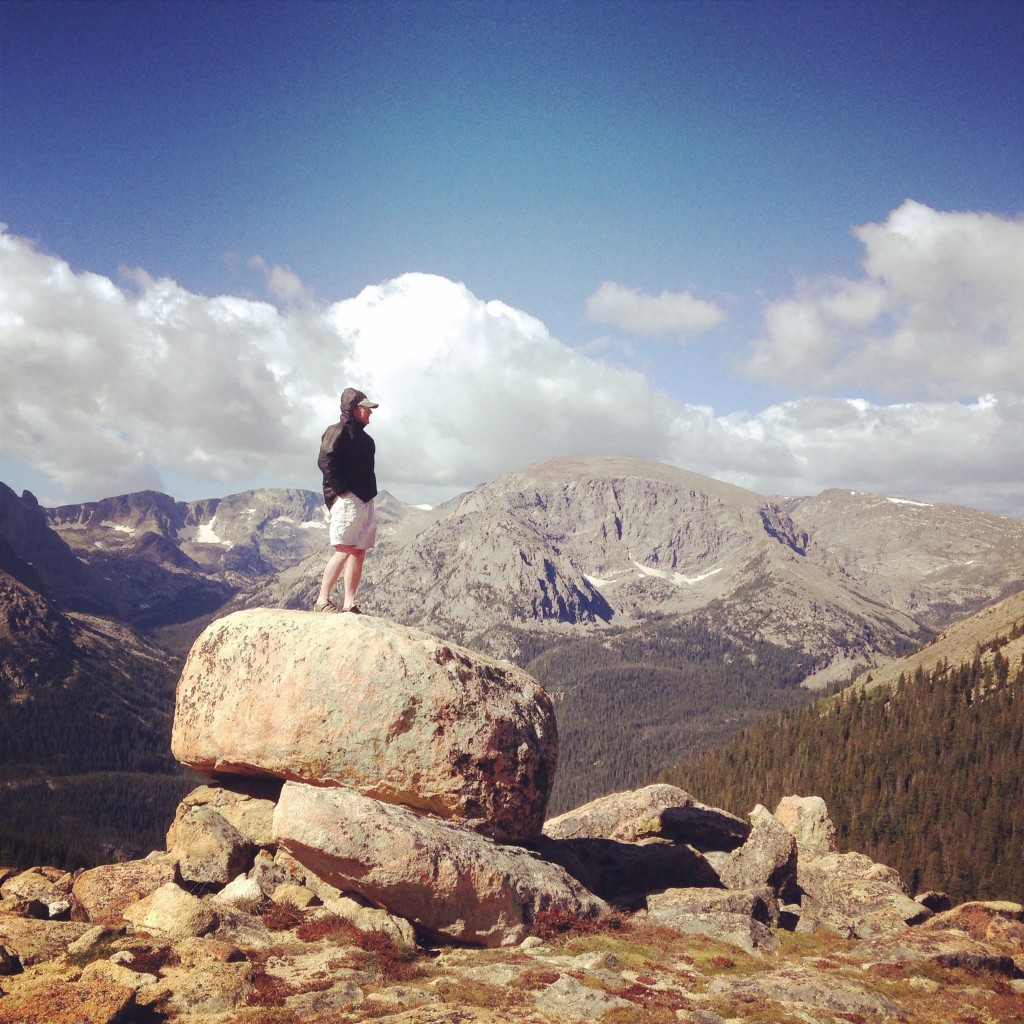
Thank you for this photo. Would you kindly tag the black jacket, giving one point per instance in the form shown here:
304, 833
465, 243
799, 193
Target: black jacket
347, 454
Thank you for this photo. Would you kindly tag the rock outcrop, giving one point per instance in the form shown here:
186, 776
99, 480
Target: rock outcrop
446, 879
701, 954
654, 812
357, 701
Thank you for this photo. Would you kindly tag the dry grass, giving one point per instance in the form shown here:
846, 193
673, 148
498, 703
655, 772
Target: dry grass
378, 951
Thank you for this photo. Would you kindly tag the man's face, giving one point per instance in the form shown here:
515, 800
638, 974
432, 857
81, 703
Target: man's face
362, 413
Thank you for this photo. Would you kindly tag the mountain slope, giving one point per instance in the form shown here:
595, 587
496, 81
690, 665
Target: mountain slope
934, 562
81, 692
663, 609
958, 644
585, 542
172, 562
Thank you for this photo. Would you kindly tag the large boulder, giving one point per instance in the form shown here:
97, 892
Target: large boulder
947, 947
743, 918
806, 819
56, 1001
33, 885
357, 701
658, 811
34, 941
624, 873
850, 894
445, 878
768, 857
246, 804
628, 816
208, 848
171, 911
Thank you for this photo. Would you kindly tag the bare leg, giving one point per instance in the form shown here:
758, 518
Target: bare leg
332, 571
353, 573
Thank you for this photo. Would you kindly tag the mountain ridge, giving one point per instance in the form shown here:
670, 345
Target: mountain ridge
575, 541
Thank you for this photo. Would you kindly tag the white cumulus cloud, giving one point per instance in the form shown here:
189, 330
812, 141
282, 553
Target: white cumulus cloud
939, 313
677, 314
113, 387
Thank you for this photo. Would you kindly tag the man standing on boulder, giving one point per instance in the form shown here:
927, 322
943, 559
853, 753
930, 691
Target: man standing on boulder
346, 460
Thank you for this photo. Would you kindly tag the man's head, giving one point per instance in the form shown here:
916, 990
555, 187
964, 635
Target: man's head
352, 399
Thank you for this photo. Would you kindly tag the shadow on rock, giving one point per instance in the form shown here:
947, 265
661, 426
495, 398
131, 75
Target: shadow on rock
624, 873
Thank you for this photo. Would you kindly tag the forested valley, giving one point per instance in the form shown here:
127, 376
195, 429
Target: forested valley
627, 702
86, 772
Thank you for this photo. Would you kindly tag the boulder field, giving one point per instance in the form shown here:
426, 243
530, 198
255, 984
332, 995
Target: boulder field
368, 783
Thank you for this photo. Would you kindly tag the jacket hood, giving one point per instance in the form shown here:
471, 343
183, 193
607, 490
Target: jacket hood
350, 398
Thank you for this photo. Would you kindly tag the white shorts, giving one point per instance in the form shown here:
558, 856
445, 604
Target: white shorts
353, 522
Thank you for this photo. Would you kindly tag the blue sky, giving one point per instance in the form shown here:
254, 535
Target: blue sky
700, 208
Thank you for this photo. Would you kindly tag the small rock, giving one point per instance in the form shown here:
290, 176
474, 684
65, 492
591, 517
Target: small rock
242, 893
9, 962
372, 919
172, 912
22, 906
93, 938
289, 894
113, 973
569, 998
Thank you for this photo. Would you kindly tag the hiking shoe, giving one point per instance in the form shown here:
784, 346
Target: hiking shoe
325, 606
355, 610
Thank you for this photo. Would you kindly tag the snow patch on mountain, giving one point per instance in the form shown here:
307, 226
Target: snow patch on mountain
203, 534
120, 527
678, 578
907, 501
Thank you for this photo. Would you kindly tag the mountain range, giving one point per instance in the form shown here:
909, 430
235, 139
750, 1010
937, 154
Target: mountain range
567, 547
648, 600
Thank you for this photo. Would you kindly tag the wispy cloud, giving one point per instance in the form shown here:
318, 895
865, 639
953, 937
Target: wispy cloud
283, 284
673, 314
